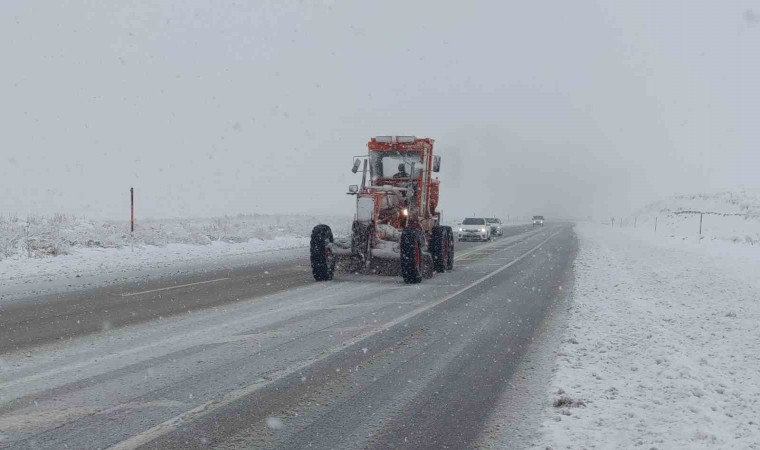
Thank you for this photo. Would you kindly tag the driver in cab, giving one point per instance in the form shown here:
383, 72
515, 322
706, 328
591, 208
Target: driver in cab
401, 172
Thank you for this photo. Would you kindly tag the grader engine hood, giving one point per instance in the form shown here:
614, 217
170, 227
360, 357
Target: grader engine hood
365, 208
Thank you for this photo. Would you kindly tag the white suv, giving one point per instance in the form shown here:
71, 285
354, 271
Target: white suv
474, 229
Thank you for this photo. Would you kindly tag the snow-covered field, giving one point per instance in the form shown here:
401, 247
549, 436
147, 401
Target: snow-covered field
662, 345
727, 216
41, 236
46, 254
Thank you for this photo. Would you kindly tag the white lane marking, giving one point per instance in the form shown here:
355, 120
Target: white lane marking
210, 406
130, 294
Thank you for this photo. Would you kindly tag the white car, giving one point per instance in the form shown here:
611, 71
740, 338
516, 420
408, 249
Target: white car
474, 229
538, 221
495, 224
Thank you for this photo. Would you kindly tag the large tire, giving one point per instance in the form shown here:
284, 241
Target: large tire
450, 253
411, 256
322, 258
439, 245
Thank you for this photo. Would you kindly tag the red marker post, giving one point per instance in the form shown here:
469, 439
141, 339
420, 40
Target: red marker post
132, 209
132, 218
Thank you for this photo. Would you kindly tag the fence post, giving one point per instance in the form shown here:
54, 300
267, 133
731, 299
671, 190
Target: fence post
635, 221
655, 224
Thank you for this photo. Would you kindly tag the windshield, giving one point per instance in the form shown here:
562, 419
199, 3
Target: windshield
472, 221
538, 217
491, 220
394, 164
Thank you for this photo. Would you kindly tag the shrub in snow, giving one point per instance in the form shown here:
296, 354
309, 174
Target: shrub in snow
565, 400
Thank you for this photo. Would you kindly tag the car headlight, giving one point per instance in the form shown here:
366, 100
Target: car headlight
460, 230
482, 230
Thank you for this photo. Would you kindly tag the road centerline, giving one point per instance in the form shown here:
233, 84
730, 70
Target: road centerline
132, 294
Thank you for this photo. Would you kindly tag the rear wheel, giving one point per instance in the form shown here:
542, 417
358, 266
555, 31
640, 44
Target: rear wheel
322, 258
411, 256
439, 248
450, 249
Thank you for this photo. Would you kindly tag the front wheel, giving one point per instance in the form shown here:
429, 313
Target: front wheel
411, 256
322, 258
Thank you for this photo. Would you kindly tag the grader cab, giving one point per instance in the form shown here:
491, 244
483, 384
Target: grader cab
397, 227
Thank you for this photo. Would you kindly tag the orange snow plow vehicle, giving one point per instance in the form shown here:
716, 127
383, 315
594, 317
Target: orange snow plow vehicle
396, 227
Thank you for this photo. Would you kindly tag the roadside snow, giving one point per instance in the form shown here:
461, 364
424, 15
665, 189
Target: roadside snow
662, 347
70, 253
726, 216
45, 236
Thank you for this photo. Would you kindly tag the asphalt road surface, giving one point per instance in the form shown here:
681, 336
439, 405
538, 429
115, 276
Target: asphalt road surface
263, 357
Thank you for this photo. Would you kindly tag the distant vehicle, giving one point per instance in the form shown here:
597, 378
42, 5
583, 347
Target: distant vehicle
475, 229
495, 223
538, 220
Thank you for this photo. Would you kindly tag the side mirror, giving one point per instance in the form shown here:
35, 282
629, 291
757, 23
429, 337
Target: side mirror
353, 189
436, 163
357, 162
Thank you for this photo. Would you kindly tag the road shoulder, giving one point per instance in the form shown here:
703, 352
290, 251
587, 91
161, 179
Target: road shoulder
516, 420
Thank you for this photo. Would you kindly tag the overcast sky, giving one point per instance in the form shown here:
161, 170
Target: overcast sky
556, 107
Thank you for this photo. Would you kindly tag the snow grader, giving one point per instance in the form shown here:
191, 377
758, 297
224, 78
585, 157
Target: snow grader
396, 227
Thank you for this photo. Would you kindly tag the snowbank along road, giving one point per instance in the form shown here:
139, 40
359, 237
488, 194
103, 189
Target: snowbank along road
265, 358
